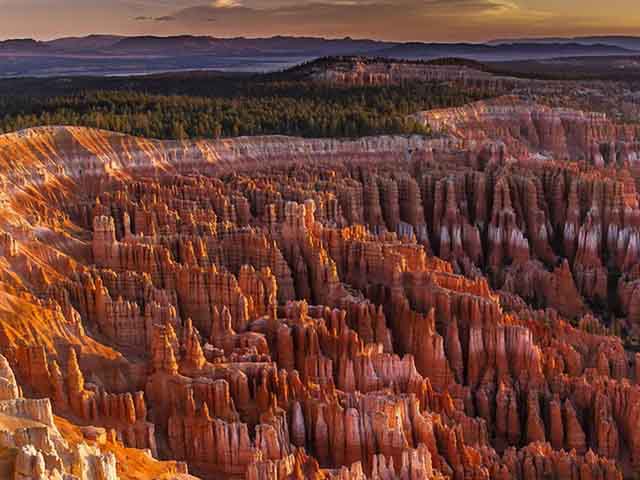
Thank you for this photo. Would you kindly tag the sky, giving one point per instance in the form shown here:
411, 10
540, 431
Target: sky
399, 20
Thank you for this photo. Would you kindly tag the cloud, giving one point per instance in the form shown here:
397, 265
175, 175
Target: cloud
425, 20
165, 18
226, 3
385, 19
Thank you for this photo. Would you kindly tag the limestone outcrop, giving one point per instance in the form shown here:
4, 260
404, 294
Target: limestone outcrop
271, 308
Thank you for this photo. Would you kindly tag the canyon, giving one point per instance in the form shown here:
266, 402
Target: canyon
462, 306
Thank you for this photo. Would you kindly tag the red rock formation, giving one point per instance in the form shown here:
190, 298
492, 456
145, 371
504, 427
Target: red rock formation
272, 308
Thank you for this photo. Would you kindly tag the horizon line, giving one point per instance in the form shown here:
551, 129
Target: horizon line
328, 38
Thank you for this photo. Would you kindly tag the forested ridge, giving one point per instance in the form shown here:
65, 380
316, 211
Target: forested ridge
202, 105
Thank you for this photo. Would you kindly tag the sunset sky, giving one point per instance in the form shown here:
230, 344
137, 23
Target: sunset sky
403, 20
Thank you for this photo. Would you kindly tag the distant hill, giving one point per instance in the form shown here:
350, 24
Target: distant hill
118, 55
502, 52
25, 45
91, 43
191, 44
621, 41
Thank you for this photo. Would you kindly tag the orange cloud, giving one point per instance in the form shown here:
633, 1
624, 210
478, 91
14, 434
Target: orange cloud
405, 20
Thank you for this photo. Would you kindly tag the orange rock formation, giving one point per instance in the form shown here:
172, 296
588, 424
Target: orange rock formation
276, 308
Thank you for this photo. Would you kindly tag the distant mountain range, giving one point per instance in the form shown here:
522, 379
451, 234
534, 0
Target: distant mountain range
118, 55
109, 45
620, 41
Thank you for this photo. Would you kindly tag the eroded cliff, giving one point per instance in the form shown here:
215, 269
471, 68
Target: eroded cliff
275, 308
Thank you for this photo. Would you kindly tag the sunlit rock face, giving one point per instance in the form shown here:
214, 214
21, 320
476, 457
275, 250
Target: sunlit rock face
523, 130
279, 308
356, 71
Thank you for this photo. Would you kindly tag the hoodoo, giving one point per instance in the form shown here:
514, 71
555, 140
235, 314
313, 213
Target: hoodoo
274, 307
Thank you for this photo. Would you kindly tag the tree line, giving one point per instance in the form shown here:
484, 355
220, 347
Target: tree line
179, 107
